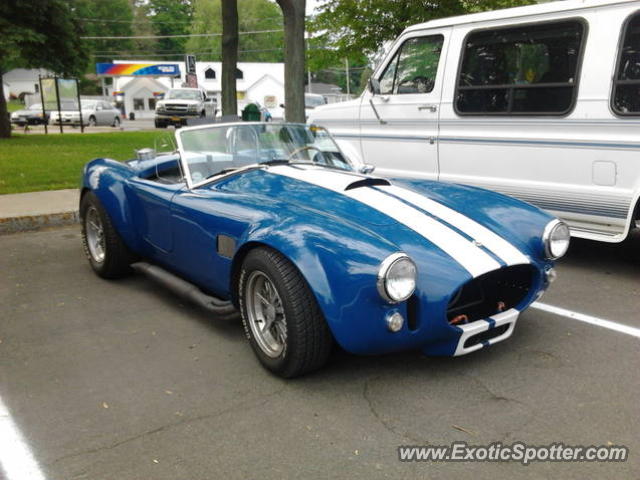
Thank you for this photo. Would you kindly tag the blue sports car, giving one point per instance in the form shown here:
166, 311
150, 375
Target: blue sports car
274, 224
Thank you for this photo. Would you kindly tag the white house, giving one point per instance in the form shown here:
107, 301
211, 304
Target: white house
261, 82
22, 80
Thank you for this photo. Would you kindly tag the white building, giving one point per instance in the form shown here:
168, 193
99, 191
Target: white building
22, 81
261, 82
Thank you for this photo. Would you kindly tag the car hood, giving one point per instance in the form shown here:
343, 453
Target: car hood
26, 112
179, 101
480, 230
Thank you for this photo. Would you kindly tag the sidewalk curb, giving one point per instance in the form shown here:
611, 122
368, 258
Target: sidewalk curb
36, 222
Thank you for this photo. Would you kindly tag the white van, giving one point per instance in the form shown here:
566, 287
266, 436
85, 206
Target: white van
539, 102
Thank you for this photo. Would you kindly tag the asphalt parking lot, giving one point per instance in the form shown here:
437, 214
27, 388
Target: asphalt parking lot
122, 380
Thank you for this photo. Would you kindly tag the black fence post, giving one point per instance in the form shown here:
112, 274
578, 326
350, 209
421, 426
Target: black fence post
55, 81
79, 106
44, 110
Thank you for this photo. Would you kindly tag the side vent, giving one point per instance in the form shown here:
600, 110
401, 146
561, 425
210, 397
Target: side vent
226, 246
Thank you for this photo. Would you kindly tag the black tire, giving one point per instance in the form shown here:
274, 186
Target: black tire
92, 121
117, 257
308, 338
116, 122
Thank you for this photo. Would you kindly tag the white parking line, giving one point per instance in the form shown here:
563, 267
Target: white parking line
16, 459
581, 317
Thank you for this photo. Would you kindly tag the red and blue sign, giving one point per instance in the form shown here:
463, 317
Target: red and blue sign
138, 69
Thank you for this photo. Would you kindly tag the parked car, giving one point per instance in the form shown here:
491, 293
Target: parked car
181, 104
94, 112
539, 102
31, 115
274, 221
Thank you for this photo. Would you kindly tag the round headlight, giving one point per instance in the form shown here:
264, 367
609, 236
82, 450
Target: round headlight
556, 239
397, 278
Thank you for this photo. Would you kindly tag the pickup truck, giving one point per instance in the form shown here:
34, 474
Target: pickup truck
181, 104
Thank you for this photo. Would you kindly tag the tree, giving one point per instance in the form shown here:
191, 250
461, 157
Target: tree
38, 34
229, 56
253, 15
294, 59
101, 18
351, 27
169, 17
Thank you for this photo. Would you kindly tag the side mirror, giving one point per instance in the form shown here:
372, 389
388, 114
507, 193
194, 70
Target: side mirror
374, 86
367, 168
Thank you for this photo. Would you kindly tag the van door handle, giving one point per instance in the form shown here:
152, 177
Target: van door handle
431, 108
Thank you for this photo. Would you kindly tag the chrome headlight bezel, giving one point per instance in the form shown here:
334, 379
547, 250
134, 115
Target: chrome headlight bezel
383, 276
547, 235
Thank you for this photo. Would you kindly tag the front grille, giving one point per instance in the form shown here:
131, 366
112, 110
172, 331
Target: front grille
486, 335
175, 107
489, 294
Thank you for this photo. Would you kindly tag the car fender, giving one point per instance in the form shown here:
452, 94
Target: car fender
338, 262
107, 179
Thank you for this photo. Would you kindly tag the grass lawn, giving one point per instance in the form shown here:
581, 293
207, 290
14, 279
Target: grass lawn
13, 105
31, 163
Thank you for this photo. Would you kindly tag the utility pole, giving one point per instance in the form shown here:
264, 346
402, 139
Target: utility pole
346, 67
309, 81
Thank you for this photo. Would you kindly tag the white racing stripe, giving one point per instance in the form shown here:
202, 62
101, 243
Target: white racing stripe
471, 257
498, 245
581, 317
16, 459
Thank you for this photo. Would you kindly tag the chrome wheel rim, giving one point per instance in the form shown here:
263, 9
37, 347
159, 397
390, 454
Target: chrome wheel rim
94, 232
266, 314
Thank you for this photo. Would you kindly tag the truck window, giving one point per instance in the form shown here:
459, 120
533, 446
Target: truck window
626, 88
529, 70
414, 66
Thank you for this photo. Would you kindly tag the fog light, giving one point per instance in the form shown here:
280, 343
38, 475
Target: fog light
395, 321
551, 275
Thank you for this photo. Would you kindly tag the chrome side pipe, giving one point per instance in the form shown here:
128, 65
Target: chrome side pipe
222, 309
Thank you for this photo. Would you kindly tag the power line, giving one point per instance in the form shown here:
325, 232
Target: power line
133, 21
134, 37
217, 52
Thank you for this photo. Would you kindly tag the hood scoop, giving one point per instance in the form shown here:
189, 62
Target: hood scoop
367, 182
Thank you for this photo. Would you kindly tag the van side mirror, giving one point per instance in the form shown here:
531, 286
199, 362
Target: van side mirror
374, 86
367, 168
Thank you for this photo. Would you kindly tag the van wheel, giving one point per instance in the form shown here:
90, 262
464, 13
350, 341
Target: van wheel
107, 254
280, 314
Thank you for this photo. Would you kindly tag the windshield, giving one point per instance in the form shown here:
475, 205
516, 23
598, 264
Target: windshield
214, 150
183, 94
313, 101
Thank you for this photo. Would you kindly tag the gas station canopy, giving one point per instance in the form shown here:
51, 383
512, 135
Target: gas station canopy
138, 69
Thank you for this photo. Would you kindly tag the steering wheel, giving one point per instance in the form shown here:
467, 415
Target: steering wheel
302, 149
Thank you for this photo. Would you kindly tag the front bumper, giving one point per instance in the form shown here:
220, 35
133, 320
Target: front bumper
175, 118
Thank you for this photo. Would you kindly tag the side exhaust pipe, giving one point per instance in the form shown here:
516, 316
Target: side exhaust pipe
223, 310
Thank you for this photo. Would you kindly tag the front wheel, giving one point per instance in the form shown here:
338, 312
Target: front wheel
281, 317
92, 121
107, 254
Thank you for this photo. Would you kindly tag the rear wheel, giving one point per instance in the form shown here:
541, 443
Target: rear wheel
116, 122
92, 121
281, 317
107, 254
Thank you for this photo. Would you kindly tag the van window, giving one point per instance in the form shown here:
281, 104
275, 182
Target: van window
414, 67
626, 90
530, 70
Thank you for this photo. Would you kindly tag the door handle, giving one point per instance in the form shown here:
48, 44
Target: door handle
431, 108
